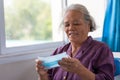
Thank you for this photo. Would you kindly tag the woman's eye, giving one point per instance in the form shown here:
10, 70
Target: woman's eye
73, 24
76, 24
66, 25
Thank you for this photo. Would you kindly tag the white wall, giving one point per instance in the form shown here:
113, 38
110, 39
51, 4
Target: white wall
21, 66
21, 70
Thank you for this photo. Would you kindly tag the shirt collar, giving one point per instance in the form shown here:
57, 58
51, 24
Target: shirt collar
85, 45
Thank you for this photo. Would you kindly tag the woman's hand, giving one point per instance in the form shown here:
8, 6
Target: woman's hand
41, 70
70, 64
74, 65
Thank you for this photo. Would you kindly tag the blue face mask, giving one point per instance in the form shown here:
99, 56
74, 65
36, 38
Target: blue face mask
52, 61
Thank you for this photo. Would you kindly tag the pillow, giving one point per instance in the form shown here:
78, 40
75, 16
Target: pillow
117, 66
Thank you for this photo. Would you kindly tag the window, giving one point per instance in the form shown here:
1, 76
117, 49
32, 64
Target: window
97, 10
30, 25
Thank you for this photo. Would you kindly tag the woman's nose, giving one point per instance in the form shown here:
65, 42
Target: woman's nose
71, 26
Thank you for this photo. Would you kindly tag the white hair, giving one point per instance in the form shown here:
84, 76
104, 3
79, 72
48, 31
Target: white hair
82, 9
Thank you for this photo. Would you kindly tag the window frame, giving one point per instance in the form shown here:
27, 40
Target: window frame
36, 48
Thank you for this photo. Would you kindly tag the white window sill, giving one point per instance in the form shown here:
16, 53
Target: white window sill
116, 54
19, 57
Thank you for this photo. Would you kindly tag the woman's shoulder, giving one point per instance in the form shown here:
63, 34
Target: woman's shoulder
99, 43
62, 48
95, 43
65, 46
100, 46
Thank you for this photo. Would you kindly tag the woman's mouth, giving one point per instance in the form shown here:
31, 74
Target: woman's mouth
73, 33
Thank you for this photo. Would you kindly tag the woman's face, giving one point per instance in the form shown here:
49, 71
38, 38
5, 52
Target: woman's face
75, 26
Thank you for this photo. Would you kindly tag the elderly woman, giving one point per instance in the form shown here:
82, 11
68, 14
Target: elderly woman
90, 59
